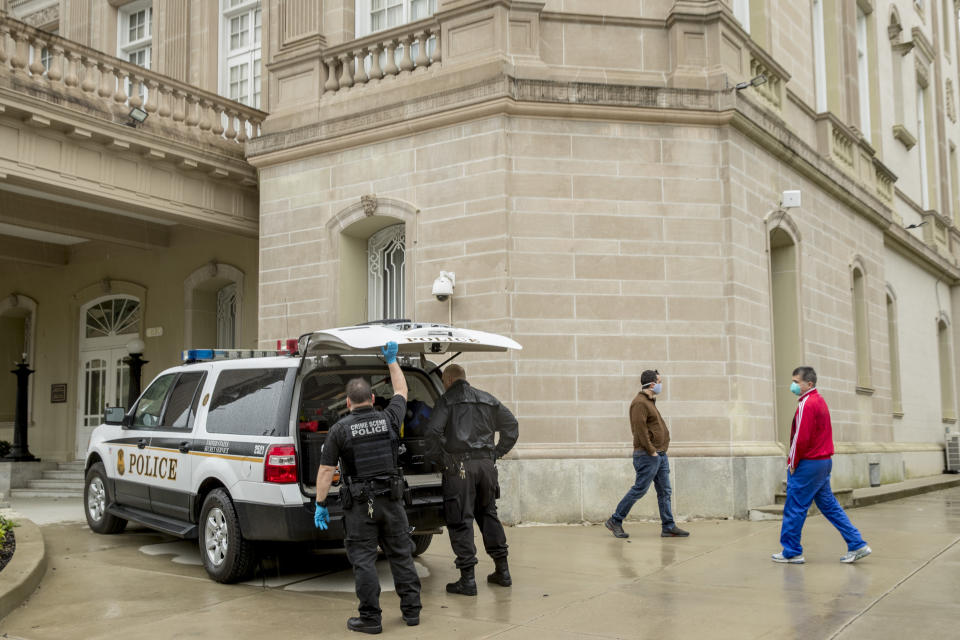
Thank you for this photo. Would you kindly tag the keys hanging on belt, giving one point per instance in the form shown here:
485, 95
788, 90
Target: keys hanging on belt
463, 472
370, 507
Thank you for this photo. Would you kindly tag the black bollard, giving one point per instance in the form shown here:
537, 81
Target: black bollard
20, 451
135, 362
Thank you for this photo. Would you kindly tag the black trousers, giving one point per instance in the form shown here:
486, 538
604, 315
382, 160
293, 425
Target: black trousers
389, 529
473, 497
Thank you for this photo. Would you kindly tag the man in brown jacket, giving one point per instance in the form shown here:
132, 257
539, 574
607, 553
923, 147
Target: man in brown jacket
650, 441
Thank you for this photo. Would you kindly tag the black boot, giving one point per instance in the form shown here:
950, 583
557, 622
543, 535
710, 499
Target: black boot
502, 574
364, 626
466, 585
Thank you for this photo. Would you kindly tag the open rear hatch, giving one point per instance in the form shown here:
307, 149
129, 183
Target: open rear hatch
322, 403
411, 337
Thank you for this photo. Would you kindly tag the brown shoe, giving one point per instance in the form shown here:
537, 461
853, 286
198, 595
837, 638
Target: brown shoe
674, 532
616, 529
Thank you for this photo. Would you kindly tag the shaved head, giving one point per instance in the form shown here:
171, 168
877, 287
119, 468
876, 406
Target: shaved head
453, 373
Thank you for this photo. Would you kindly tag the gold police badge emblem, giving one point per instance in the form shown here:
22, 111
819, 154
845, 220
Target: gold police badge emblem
120, 468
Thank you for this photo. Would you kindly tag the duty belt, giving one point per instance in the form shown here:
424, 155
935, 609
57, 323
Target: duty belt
475, 454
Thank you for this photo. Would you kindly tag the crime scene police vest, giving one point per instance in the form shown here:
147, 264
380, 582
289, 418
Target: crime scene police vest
371, 445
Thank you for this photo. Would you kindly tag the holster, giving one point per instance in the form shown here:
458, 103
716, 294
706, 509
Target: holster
397, 486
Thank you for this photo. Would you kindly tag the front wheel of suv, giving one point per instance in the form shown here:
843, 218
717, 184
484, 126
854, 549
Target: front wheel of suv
226, 554
96, 499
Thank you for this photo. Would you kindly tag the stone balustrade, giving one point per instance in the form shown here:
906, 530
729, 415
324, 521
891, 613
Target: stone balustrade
46, 65
408, 49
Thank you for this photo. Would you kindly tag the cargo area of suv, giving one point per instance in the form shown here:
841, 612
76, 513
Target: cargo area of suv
322, 402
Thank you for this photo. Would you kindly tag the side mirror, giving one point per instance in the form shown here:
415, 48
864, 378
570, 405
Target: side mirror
114, 415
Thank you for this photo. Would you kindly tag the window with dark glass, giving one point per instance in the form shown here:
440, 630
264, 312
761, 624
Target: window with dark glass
182, 405
246, 401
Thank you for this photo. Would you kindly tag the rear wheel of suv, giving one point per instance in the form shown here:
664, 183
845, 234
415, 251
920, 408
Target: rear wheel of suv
421, 542
96, 499
226, 554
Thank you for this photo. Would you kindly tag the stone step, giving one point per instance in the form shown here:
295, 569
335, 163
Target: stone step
63, 475
869, 495
46, 493
55, 484
76, 465
843, 496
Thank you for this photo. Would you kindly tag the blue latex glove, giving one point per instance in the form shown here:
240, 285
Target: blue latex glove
321, 518
390, 352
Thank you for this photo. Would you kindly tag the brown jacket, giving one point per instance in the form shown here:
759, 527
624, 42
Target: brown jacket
650, 433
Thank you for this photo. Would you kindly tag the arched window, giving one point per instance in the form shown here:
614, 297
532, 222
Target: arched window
861, 332
213, 304
386, 269
893, 342
787, 317
947, 403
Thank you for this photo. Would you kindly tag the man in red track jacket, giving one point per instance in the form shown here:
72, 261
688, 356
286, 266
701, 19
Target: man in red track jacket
809, 463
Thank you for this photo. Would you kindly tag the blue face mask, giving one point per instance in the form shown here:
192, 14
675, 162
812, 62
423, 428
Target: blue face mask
657, 388
795, 389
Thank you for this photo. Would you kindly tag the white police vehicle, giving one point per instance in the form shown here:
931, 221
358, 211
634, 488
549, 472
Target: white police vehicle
225, 448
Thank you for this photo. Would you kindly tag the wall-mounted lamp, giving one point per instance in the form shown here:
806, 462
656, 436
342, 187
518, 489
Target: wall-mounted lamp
756, 81
137, 117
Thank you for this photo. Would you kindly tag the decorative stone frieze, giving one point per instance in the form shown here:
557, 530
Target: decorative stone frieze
44, 18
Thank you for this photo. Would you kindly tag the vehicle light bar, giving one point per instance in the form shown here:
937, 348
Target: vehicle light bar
200, 355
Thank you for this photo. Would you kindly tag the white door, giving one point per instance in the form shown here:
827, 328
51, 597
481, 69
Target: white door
104, 382
106, 326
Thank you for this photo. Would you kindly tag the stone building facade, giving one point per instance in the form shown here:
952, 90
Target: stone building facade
607, 194
603, 179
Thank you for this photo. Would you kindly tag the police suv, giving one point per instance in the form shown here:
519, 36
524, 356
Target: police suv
225, 448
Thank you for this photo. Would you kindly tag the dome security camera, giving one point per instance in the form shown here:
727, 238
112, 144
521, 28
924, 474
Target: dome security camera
443, 285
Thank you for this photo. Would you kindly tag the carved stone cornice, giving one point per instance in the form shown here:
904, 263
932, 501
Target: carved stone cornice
923, 44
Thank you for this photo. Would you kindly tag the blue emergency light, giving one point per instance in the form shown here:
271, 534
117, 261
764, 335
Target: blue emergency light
207, 355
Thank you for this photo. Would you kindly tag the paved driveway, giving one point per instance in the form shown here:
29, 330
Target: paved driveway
570, 582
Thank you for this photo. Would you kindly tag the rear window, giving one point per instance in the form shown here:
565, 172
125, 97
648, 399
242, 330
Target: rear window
247, 401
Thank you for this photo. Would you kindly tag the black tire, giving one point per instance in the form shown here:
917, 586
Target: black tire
96, 499
226, 555
421, 542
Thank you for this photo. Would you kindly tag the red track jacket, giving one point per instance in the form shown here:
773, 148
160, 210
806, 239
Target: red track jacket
811, 436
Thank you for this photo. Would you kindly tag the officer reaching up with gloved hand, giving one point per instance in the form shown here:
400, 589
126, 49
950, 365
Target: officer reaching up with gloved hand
365, 442
473, 429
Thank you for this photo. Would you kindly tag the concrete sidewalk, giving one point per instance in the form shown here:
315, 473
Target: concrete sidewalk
570, 582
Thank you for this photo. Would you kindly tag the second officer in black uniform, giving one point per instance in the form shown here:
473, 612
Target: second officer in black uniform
465, 425
365, 442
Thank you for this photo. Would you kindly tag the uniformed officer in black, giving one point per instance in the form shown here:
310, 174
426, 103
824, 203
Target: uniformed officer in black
463, 425
365, 442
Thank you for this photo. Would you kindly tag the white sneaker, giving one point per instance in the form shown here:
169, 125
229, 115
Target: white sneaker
779, 557
853, 556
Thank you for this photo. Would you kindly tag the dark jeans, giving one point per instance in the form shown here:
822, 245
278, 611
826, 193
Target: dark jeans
389, 529
473, 498
649, 469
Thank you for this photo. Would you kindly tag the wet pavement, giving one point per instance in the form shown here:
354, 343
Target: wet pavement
569, 582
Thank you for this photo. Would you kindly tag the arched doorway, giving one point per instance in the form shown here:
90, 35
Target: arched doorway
107, 325
17, 322
785, 312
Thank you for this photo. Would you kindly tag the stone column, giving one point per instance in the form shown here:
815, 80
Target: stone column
172, 39
293, 42
76, 23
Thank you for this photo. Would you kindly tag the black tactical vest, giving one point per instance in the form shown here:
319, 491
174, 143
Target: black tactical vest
371, 445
